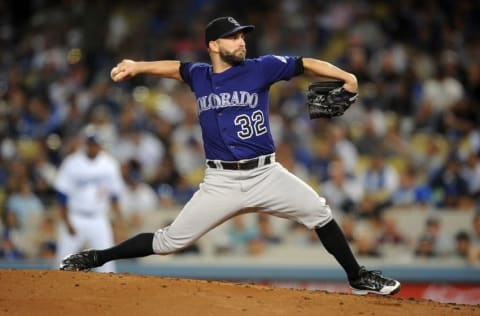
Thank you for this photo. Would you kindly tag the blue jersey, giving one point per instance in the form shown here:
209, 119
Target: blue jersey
233, 105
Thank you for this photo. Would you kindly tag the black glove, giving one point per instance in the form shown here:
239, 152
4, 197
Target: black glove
326, 99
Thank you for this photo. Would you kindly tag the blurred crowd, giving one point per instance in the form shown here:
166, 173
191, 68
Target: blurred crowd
411, 141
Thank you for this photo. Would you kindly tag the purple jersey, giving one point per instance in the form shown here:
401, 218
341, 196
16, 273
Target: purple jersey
233, 105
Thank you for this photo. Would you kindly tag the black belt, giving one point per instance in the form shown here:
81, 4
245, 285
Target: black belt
241, 165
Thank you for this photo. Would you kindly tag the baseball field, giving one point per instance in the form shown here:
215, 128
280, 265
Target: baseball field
47, 292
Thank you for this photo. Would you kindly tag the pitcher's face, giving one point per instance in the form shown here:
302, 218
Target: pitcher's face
232, 49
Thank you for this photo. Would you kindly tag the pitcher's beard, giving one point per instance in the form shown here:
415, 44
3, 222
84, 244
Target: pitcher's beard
232, 59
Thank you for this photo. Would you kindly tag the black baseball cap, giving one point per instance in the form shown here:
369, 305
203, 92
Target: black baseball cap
223, 27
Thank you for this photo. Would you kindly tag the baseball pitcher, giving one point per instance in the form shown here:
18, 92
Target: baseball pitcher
241, 174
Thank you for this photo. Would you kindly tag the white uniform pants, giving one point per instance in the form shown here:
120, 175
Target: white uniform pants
91, 232
269, 189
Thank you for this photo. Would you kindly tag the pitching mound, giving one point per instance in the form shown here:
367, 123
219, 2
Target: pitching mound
33, 292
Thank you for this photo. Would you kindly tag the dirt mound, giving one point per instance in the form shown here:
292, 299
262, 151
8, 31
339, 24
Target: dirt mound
34, 292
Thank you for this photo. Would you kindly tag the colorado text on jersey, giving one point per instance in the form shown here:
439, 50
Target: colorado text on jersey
226, 99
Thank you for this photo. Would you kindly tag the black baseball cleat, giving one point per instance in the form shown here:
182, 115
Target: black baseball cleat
82, 261
373, 282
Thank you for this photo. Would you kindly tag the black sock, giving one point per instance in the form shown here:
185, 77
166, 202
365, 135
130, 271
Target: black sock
140, 245
336, 244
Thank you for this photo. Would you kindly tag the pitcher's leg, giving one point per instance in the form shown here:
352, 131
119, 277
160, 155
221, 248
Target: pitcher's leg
140, 245
283, 194
337, 245
206, 210
290, 197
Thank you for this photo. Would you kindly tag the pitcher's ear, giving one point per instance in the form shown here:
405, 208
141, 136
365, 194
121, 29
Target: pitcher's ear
213, 46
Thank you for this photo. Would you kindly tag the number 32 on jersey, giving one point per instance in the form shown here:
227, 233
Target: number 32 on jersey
250, 125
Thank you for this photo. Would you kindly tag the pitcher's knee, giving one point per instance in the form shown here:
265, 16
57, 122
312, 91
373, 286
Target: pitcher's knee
318, 217
164, 243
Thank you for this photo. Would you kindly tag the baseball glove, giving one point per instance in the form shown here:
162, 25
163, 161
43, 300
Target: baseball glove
327, 99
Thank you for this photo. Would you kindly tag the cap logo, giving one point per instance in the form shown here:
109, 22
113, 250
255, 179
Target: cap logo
233, 21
